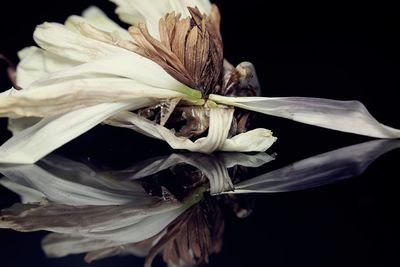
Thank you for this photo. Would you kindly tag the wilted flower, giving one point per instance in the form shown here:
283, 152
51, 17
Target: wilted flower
165, 71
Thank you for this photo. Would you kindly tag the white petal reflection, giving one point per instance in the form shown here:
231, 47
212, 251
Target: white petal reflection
345, 116
121, 224
319, 170
240, 159
56, 245
70, 198
214, 167
71, 183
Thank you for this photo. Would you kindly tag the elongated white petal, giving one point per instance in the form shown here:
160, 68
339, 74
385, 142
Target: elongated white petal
125, 64
345, 116
97, 18
220, 122
50, 133
319, 170
255, 140
69, 95
36, 63
57, 39
71, 183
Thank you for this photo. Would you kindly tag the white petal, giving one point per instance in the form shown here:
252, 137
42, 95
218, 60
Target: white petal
17, 125
124, 64
345, 116
57, 39
220, 122
319, 170
150, 12
121, 77
135, 11
36, 63
255, 140
62, 96
97, 18
203, 5
50, 133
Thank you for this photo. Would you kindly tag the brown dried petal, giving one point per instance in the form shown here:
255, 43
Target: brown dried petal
189, 49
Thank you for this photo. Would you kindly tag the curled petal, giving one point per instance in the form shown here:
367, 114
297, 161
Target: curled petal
255, 140
345, 116
32, 144
220, 122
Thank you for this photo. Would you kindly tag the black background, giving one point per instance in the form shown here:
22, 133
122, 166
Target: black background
333, 51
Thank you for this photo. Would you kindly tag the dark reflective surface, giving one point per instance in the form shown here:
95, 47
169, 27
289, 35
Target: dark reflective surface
179, 206
335, 209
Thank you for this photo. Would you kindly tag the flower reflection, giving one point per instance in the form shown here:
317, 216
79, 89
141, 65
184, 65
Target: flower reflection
135, 211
